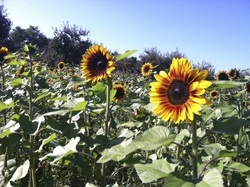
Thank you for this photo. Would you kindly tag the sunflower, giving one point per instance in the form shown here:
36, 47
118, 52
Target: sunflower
177, 95
97, 63
61, 65
21, 69
146, 69
233, 73
49, 80
214, 94
120, 92
3, 52
222, 75
247, 87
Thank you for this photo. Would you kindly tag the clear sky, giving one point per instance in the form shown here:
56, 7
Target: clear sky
217, 31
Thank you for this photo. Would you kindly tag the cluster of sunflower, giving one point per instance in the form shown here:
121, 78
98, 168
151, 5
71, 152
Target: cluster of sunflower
233, 74
98, 64
177, 95
62, 73
4, 51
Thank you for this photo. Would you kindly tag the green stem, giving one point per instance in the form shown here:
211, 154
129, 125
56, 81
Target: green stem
194, 151
106, 125
3, 81
4, 124
32, 174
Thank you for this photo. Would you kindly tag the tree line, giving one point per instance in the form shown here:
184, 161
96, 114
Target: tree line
69, 43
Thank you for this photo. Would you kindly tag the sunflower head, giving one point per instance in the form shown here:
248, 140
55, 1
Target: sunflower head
222, 75
120, 92
97, 64
247, 87
3, 52
21, 69
61, 65
147, 69
177, 95
214, 94
233, 73
49, 80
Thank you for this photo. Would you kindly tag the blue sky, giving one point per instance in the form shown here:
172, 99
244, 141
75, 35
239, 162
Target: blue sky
216, 31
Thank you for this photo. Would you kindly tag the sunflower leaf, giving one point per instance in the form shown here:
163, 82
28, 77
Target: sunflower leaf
212, 178
151, 139
75, 81
226, 84
229, 125
124, 55
158, 169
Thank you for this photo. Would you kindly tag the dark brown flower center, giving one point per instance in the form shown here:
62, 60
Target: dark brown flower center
232, 73
178, 92
146, 69
214, 94
61, 66
223, 76
119, 93
99, 64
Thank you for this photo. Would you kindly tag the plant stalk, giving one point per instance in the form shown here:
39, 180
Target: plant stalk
106, 125
194, 151
32, 175
3, 87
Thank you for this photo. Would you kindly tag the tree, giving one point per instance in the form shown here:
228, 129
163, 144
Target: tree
5, 26
68, 45
206, 66
31, 35
162, 61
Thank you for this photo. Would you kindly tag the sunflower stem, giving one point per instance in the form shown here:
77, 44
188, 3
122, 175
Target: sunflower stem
32, 175
194, 151
106, 125
3, 88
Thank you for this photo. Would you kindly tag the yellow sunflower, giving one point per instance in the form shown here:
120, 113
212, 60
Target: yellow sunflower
3, 52
222, 75
97, 64
120, 92
146, 69
61, 65
177, 95
214, 94
247, 87
21, 69
233, 73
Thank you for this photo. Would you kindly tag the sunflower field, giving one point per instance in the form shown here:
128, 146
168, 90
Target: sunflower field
90, 125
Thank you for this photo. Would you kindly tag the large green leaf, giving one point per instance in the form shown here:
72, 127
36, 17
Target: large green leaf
80, 106
151, 139
62, 151
158, 169
16, 82
179, 137
46, 141
226, 84
57, 112
100, 90
214, 149
212, 178
20, 172
125, 55
75, 81
229, 125
173, 181
31, 127
7, 104
238, 167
